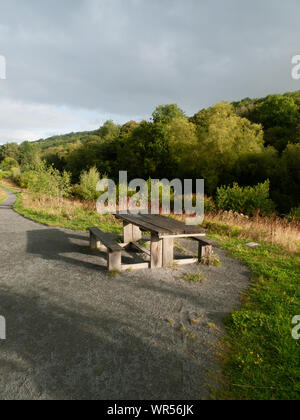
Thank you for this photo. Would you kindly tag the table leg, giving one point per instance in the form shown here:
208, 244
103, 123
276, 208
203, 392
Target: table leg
136, 233
127, 232
168, 252
131, 233
156, 252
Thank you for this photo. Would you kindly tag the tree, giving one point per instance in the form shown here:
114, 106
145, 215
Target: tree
276, 111
54, 156
280, 137
183, 142
8, 163
166, 113
254, 168
223, 137
127, 128
30, 154
9, 150
144, 153
109, 131
288, 192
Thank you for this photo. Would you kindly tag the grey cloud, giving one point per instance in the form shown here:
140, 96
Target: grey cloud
125, 57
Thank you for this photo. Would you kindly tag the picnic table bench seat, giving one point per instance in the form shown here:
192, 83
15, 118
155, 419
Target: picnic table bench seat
104, 242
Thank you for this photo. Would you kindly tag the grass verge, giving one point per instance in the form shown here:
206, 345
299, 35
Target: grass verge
68, 214
262, 360
3, 196
64, 213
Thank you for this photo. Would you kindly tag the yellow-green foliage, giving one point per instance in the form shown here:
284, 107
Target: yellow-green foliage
46, 181
87, 190
247, 200
194, 278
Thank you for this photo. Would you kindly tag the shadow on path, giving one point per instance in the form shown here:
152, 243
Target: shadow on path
59, 353
60, 245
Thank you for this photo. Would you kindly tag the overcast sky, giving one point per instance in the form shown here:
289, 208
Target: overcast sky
73, 64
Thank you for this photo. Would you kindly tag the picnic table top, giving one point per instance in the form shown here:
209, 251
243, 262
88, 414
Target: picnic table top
161, 225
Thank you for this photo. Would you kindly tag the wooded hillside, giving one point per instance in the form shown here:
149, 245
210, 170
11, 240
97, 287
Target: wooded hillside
247, 142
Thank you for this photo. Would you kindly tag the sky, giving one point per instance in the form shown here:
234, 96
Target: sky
73, 64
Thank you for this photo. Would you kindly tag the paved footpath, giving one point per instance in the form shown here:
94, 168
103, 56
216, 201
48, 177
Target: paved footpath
75, 333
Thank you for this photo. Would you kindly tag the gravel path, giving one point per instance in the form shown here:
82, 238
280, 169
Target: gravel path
75, 333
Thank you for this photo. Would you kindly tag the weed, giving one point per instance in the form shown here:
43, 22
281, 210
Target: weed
113, 274
211, 260
194, 278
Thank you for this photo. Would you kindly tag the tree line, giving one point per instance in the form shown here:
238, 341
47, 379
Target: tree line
247, 142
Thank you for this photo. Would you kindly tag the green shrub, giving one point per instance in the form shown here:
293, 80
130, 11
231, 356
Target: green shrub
295, 214
46, 181
9, 163
4, 174
15, 173
247, 200
87, 190
209, 204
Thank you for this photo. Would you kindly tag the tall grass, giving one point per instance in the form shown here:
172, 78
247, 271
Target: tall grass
270, 229
9, 184
65, 212
274, 230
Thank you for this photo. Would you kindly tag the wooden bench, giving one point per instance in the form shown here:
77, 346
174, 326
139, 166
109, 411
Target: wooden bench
104, 242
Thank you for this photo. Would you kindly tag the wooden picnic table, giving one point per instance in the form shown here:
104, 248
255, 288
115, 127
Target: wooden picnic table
163, 231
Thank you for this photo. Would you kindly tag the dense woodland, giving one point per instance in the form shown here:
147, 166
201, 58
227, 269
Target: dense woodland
247, 142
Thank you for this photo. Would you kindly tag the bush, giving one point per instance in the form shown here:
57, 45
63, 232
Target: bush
247, 200
209, 204
87, 190
4, 174
15, 173
46, 181
295, 214
9, 163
